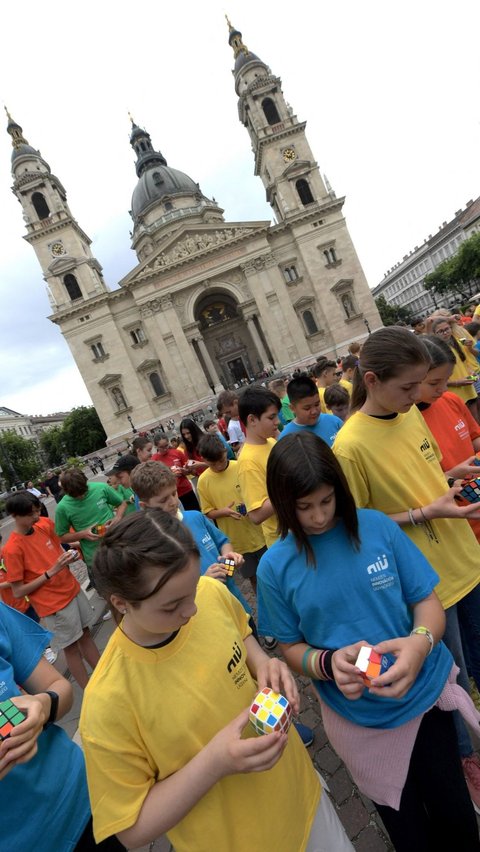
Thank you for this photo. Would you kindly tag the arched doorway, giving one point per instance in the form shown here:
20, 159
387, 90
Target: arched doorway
228, 339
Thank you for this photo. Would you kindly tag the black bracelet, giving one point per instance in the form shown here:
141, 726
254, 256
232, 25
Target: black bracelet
327, 664
46, 575
54, 698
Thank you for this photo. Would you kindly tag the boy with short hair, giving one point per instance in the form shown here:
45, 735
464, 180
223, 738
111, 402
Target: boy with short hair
84, 505
156, 487
305, 402
227, 403
324, 375
221, 501
349, 364
258, 410
211, 428
37, 566
337, 401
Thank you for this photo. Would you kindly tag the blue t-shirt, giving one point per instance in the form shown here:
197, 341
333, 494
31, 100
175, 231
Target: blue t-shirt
350, 595
325, 428
209, 540
45, 803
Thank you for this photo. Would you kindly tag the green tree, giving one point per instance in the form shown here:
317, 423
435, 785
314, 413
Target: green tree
51, 442
391, 314
82, 431
19, 458
460, 274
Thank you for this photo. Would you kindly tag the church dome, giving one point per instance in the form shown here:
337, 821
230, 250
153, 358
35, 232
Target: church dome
157, 182
24, 150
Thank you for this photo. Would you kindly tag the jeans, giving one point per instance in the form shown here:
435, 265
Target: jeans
462, 638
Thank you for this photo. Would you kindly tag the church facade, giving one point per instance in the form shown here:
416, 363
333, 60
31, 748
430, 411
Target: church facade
210, 302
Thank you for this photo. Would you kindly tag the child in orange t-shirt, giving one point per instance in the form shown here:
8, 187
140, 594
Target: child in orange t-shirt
457, 433
36, 566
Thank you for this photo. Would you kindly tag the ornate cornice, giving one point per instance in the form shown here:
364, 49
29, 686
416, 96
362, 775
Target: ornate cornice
155, 306
256, 264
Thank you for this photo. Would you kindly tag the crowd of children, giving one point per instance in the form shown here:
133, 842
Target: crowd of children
337, 495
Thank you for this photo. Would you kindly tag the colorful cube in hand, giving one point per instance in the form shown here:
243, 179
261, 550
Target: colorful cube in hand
270, 712
476, 459
229, 565
470, 490
372, 664
10, 716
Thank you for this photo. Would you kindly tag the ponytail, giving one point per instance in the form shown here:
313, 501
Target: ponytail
386, 353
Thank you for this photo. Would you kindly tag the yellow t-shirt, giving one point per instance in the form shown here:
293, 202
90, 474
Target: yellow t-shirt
252, 476
218, 490
393, 465
462, 369
148, 711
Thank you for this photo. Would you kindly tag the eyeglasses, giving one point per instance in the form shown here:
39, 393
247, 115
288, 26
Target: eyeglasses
442, 330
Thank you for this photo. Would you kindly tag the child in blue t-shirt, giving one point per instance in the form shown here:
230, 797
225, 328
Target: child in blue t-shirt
305, 404
341, 578
156, 487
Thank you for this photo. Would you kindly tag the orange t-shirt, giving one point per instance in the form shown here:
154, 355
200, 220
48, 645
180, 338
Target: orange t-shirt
454, 429
27, 557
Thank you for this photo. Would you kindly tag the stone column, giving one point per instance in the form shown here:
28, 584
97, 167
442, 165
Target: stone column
214, 377
257, 340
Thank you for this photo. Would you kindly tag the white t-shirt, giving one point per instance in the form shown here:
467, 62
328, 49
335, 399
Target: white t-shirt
235, 433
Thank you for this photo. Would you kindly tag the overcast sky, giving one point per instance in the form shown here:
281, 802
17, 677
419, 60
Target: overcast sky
389, 92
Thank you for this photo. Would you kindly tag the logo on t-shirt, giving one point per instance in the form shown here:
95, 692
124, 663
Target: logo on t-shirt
235, 667
379, 565
380, 581
427, 451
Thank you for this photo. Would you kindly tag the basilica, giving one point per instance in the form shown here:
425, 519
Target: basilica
209, 303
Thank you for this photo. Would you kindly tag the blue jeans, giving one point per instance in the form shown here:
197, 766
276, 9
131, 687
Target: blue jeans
462, 638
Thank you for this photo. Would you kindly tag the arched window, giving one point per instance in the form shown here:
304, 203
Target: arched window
156, 384
72, 286
41, 206
271, 112
304, 191
310, 323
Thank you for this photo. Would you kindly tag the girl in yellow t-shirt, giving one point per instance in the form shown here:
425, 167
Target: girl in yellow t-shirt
391, 461
164, 721
461, 381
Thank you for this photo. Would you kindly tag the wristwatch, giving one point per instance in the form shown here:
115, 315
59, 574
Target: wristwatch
54, 698
424, 631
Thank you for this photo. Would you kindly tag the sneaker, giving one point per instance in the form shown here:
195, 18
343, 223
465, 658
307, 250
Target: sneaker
269, 643
307, 736
107, 615
471, 770
50, 655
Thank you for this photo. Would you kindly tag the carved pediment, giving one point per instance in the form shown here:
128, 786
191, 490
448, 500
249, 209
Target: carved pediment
110, 379
62, 265
191, 244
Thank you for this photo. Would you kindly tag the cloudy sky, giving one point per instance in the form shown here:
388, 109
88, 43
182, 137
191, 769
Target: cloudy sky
389, 91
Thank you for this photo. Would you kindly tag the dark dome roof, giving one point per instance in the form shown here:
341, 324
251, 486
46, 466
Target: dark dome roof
23, 150
157, 182
243, 59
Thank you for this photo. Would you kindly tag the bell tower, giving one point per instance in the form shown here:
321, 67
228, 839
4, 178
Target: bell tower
283, 157
71, 272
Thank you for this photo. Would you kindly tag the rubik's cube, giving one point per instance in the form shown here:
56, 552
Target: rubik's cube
470, 490
229, 565
10, 716
270, 712
476, 460
371, 664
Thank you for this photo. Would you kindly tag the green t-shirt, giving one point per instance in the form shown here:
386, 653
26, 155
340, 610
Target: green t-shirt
127, 494
95, 507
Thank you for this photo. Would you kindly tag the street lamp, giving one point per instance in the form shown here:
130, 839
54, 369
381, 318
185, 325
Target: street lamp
368, 327
131, 424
